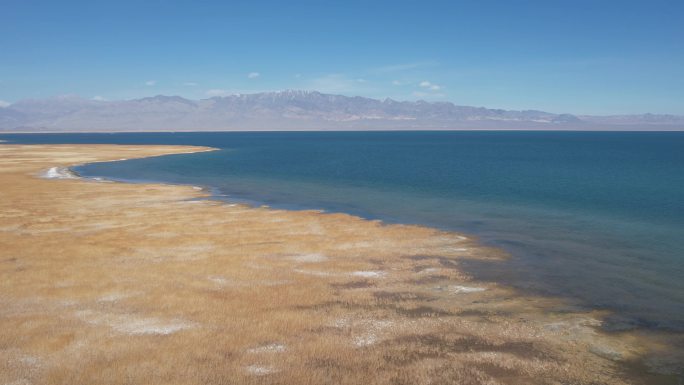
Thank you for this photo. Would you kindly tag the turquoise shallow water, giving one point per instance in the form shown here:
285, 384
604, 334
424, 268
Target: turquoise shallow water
597, 217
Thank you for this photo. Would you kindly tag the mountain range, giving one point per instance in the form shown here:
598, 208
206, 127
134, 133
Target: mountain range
295, 110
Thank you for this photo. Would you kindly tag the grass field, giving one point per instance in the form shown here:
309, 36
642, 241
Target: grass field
112, 283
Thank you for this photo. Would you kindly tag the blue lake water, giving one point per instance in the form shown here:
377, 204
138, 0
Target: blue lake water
597, 217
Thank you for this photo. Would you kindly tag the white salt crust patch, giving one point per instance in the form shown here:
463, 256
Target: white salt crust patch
260, 370
223, 282
269, 348
273, 282
606, 352
317, 273
59, 173
371, 334
353, 245
575, 326
9, 229
365, 332
308, 258
23, 365
31, 361
128, 324
465, 289
321, 273
369, 274
451, 249
365, 340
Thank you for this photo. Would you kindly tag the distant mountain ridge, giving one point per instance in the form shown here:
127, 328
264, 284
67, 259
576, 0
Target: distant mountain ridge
294, 110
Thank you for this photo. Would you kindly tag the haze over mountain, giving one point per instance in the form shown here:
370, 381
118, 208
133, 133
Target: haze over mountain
295, 110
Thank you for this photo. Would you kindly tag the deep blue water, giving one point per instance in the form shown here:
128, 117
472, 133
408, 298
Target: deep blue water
597, 217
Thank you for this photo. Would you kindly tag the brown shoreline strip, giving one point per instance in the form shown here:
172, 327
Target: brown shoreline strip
114, 283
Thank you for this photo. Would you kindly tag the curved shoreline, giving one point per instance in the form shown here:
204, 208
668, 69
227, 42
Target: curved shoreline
350, 283
531, 279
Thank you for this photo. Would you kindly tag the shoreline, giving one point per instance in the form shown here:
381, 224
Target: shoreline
478, 271
618, 129
361, 284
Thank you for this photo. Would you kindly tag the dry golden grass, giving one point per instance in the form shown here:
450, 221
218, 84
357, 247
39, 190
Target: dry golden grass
111, 283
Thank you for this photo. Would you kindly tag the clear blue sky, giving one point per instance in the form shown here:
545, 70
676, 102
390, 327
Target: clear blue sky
577, 56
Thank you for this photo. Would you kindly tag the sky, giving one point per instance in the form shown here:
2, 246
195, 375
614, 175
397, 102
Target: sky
581, 57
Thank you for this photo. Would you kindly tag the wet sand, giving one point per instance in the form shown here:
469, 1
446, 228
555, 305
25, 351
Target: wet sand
114, 283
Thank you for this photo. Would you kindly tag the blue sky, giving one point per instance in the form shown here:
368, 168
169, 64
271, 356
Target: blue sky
598, 57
